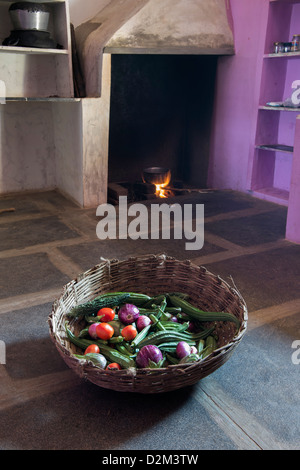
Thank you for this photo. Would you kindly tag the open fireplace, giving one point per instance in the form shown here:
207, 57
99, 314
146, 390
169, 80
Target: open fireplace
151, 67
160, 116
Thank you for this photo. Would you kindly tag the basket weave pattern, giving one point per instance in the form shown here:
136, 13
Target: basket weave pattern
152, 275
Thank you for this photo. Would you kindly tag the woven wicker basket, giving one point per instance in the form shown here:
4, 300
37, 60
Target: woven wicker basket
151, 274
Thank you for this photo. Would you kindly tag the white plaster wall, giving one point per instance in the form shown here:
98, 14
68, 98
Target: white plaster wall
41, 143
67, 125
27, 152
81, 11
41, 147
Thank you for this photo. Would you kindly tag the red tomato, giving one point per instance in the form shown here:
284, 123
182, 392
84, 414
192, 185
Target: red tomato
129, 332
104, 331
106, 314
113, 366
92, 348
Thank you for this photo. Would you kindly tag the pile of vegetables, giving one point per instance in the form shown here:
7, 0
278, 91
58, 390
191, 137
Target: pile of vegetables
126, 329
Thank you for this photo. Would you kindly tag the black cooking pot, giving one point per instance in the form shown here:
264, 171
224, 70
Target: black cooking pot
156, 175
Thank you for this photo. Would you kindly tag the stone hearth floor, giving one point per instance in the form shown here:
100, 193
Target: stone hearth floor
251, 402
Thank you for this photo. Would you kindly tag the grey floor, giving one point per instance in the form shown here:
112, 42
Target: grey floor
251, 402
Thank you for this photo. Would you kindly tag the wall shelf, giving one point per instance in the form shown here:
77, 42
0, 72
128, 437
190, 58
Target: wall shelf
279, 108
31, 50
277, 148
271, 194
289, 55
285, 1
55, 99
33, 71
272, 162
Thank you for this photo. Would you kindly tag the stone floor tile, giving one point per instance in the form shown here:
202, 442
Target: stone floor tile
88, 255
264, 279
23, 233
131, 422
31, 273
29, 349
253, 230
261, 378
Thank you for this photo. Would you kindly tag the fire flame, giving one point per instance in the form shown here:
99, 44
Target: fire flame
160, 190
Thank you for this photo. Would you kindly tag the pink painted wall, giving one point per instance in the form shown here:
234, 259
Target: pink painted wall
237, 98
245, 81
293, 218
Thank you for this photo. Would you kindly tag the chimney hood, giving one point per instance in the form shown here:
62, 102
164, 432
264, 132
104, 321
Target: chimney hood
152, 27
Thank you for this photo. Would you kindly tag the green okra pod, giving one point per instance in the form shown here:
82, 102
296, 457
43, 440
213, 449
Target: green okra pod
200, 345
122, 349
170, 336
172, 360
83, 343
84, 333
170, 325
116, 339
156, 322
210, 346
113, 355
140, 336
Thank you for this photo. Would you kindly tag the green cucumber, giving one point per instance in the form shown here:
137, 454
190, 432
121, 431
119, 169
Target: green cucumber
105, 300
201, 315
110, 299
138, 299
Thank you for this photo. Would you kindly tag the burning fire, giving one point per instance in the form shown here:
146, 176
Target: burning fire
160, 190
160, 178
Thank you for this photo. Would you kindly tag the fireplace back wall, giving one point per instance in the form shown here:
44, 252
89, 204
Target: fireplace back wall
160, 115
